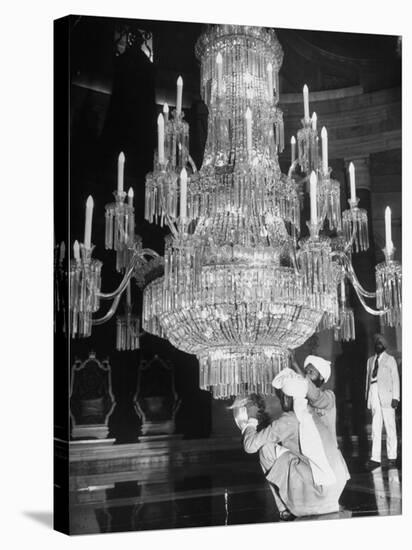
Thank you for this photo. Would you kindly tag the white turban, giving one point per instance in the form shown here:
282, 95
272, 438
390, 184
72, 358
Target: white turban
290, 383
311, 445
320, 364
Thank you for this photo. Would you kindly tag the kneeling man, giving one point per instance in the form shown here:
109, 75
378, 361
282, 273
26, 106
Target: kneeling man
298, 453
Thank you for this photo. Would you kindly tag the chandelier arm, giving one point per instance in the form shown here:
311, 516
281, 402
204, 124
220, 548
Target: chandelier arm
171, 226
109, 314
360, 289
149, 252
124, 282
292, 167
192, 163
129, 273
348, 267
355, 281
375, 312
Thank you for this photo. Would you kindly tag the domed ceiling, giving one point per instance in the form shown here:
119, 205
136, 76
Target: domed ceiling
323, 60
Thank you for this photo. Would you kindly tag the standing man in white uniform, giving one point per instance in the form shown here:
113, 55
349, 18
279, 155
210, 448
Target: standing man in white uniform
382, 397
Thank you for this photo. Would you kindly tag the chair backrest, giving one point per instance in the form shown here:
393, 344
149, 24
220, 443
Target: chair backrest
91, 397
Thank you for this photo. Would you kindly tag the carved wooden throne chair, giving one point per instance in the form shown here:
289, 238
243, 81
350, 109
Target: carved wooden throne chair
91, 398
156, 401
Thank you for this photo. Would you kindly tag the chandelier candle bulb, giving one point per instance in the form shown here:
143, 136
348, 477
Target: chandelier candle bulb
166, 113
161, 138
342, 292
88, 224
352, 182
313, 199
183, 194
248, 117
306, 103
293, 149
388, 229
179, 95
314, 121
325, 160
219, 70
62, 252
269, 70
76, 251
120, 172
130, 196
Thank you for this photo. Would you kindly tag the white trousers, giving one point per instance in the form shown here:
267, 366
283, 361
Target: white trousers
382, 415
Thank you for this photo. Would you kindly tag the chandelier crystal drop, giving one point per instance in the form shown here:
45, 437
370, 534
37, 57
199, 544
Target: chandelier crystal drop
344, 329
239, 285
389, 289
128, 327
85, 283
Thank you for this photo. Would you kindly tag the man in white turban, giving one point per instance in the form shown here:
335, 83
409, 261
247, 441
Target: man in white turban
382, 396
317, 372
298, 454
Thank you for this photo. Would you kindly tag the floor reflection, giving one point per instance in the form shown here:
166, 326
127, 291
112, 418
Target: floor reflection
387, 491
228, 494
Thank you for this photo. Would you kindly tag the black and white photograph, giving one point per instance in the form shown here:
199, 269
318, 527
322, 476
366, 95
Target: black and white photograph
227, 275
228, 289
204, 320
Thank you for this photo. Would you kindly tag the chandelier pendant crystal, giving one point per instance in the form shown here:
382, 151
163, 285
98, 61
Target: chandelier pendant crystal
128, 327
308, 146
389, 288
85, 283
120, 228
344, 329
355, 226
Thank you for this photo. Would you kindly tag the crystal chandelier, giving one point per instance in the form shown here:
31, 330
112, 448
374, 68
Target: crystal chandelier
240, 287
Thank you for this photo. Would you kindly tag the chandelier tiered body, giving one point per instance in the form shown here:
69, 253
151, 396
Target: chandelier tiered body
233, 292
238, 287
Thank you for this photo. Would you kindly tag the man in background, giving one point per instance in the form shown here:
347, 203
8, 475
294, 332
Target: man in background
382, 398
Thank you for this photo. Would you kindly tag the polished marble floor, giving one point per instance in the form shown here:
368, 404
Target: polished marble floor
213, 495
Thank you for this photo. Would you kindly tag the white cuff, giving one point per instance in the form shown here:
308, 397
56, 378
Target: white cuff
251, 422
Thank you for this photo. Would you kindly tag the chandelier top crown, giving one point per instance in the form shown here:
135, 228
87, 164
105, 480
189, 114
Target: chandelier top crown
220, 37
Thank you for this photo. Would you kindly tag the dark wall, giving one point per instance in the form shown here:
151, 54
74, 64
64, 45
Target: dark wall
103, 125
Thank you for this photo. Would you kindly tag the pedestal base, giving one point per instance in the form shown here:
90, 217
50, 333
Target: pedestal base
90, 431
